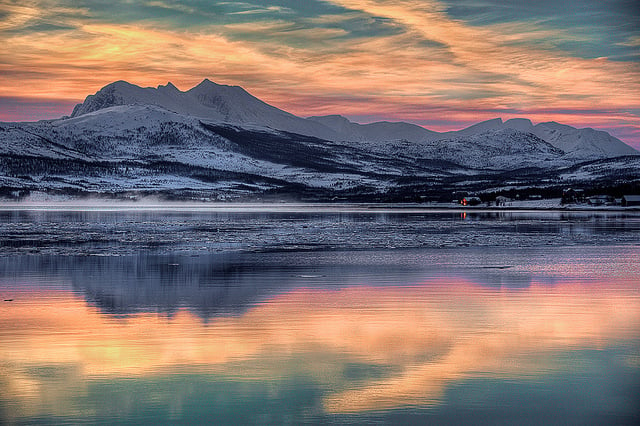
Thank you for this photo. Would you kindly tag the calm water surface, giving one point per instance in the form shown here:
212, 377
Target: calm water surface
168, 317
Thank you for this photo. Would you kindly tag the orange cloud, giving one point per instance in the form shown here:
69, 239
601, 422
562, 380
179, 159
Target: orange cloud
468, 72
530, 75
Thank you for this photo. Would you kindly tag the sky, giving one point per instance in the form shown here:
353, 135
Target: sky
443, 64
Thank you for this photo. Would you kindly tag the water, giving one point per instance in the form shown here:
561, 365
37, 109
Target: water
341, 316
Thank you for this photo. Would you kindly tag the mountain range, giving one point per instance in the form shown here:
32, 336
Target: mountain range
220, 142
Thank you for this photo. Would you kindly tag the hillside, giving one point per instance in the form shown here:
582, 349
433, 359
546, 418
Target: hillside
220, 142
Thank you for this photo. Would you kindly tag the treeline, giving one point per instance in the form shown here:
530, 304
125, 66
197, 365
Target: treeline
27, 166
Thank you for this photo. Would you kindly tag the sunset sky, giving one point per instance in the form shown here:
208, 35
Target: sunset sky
440, 64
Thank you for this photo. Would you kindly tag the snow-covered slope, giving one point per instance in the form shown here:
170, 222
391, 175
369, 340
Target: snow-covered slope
381, 131
505, 149
147, 141
33, 140
610, 169
583, 144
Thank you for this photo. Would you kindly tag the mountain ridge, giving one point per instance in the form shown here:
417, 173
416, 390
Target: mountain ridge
234, 105
215, 141
579, 144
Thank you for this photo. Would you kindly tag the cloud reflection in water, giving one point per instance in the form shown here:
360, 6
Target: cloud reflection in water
419, 338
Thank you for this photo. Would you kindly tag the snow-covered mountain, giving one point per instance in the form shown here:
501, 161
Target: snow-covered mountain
234, 105
382, 131
505, 149
578, 144
223, 142
582, 144
208, 100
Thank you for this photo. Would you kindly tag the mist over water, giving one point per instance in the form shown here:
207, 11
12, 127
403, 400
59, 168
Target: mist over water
346, 316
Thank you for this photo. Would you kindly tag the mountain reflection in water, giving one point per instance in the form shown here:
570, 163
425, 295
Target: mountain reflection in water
258, 319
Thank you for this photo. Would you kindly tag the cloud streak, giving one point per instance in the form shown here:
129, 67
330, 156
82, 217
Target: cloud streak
408, 59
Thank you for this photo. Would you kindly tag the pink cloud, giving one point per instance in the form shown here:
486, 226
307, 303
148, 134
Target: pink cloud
28, 109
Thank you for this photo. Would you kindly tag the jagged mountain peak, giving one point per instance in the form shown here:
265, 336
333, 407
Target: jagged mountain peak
228, 97
207, 85
206, 82
123, 93
168, 87
208, 100
118, 83
554, 125
234, 105
168, 96
522, 124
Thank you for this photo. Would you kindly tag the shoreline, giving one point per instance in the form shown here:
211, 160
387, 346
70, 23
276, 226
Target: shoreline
297, 207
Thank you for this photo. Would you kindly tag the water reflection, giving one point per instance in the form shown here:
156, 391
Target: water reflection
303, 317
363, 347
229, 283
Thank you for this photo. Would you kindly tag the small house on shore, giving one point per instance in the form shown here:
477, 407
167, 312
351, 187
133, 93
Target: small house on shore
631, 201
601, 200
572, 196
502, 201
470, 201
